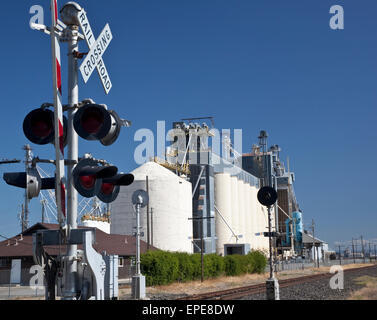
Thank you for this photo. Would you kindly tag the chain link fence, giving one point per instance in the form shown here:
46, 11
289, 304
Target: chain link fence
302, 265
25, 284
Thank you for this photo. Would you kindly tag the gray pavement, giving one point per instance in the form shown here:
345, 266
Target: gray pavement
15, 292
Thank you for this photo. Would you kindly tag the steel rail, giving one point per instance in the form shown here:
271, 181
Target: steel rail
240, 292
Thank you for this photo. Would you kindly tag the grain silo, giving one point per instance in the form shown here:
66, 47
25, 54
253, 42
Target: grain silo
248, 213
235, 207
170, 208
253, 219
223, 216
241, 212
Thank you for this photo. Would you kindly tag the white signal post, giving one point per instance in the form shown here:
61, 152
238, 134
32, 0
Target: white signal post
97, 49
72, 195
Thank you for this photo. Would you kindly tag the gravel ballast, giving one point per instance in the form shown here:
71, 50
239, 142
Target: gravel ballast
320, 289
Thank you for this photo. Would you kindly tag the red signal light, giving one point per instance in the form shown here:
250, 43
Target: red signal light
42, 128
39, 128
107, 188
92, 121
88, 182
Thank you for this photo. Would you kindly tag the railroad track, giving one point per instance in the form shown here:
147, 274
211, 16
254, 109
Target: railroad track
235, 293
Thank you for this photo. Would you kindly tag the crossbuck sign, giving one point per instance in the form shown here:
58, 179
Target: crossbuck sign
97, 48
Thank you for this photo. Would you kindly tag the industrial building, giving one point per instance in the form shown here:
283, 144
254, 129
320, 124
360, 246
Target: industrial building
268, 166
200, 199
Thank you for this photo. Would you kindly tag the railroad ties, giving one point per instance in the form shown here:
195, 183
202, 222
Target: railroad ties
240, 292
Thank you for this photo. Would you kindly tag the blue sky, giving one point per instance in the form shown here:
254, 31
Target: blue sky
253, 65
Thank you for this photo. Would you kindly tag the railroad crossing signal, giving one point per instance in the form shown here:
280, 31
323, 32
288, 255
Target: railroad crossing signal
90, 180
111, 186
267, 196
94, 122
39, 128
31, 181
97, 49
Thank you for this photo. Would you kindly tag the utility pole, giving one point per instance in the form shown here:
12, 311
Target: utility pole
353, 252
370, 260
202, 243
28, 159
340, 256
313, 243
43, 203
375, 253
362, 248
23, 218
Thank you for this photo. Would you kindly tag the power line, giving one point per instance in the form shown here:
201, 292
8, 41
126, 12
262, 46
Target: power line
18, 241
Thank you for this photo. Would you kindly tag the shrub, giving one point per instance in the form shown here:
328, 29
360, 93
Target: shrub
197, 266
257, 262
186, 267
213, 266
232, 265
161, 267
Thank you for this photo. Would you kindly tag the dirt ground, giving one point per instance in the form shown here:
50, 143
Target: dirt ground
369, 292
222, 283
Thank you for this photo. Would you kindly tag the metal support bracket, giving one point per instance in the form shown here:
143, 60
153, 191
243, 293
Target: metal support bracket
54, 237
96, 263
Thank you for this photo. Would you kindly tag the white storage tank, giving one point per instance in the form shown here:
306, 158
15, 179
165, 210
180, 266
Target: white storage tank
235, 207
264, 243
248, 214
223, 202
254, 221
241, 212
170, 203
100, 225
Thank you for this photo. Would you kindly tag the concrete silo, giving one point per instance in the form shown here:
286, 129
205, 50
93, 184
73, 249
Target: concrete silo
254, 244
235, 207
248, 214
170, 203
241, 212
223, 202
